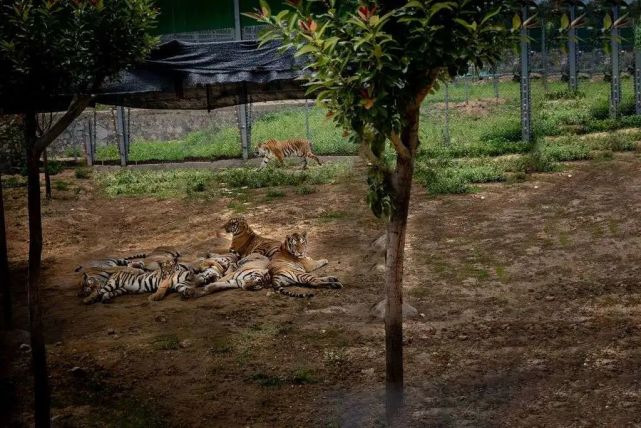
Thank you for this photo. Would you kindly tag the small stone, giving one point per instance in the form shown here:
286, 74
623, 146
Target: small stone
323, 331
569, 175
185, 343
462, 337
482, 197
368, 372
58, 343
115, 336
536, 187
269, 293
422, 315
549, 298
25, 348
77, 371
111, 331
161, 319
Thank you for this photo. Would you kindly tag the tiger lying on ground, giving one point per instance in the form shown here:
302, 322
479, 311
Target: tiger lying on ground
291, 266
271, 149
252, 274
110, 262
93, 279
170, 276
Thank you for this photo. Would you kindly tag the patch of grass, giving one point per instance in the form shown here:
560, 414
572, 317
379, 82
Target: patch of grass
73, 152
177, 182
9, 181
220, 346
305, 190
275, 194
327, 216
82, 172
266, 380
165, 343
502, 274
303, 377
54, 167
61, 185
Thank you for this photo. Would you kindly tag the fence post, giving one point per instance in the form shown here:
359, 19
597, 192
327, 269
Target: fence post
307, 132
245, 140
615, 83
446, 131
544, 56
572, 75
526, 130
120, 129
495, 83
88, 143
637, 67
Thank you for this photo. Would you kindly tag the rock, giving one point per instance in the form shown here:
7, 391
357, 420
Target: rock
25, 348
161, 319
462, 337
422, 315
549, 298
368, 372
380, 268
185, 343
378, 310
58, 343
77, 371
330, 310
269, 294
111, 331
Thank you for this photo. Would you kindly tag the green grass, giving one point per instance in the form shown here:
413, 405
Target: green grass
165, 343
82, 172
183, 182
485, 144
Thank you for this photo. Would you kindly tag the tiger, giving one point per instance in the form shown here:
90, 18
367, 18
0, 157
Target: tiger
110, 262
245, 241
271, 149
252, 274
94, 278
291, 266
170, 276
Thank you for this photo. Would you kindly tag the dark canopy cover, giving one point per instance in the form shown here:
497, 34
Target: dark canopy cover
184, 75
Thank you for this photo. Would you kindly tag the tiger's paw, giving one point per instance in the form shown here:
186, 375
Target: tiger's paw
335, 285
331, 279
155, 297
188, 293
322, 262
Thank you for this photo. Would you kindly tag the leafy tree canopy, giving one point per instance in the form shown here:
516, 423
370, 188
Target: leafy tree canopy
54, 47
372, 63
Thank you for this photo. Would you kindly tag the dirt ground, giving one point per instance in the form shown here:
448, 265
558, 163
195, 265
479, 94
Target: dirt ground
528, 294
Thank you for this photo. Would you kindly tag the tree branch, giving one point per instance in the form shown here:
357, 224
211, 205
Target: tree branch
401, 150
432, 75
366, 152
77, 106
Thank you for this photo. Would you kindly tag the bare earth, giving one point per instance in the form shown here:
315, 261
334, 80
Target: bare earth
529, 294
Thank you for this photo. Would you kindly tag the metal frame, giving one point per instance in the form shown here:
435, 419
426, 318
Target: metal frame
526, 107
615, 80
122, 129
245, 138
572, 72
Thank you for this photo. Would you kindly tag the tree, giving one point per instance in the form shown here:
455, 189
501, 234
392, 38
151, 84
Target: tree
371, 64
51, 51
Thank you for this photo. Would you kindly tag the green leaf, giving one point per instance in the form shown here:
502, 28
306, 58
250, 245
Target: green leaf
305, 50
607, 22
565, 22
516, 22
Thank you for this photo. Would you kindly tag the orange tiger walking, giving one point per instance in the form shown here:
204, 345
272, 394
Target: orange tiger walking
271, 149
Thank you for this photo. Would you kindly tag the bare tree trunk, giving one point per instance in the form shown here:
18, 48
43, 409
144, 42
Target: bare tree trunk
38, 350
401, 180
7, 307
45, 166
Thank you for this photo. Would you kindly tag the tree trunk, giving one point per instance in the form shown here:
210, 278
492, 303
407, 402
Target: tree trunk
45, 166
38, 350
7, 307
401, 181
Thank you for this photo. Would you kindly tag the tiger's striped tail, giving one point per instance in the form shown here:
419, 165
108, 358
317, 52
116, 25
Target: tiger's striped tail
136, 256
284, 291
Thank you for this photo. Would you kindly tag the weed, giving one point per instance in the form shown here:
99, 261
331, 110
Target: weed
266, 380
82, 172
275, 193
305, 190
303, 376
61, 185
327, 216
165, 343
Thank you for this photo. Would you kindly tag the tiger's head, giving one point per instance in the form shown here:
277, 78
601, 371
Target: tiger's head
236, 226
168, 267
296, 244
88, 284
262, 149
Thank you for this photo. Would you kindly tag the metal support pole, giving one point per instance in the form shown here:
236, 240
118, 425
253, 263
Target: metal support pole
615, 82
495, 83
446, 131
245, 139
526, 130
572, 75
544, 56
120, 130
637, 80
88, 144
466, 85
307, 132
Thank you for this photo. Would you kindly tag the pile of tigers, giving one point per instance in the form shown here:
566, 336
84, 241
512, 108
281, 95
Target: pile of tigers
249, 262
